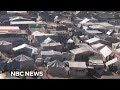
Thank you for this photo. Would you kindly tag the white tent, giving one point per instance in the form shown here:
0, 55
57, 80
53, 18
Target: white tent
84, 21
17, 18
109, 32
34, 50
111, 61
92, 40
48, 40
105, 51
70, 41
56, 68
98, 45
13, 12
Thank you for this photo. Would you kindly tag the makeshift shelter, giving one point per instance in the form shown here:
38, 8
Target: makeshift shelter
25, 62
92, 32
84, 21
69, 44
26, 49
106, 25
57, 68
23, 24
96, 62
48, 40
77, 69
39, 61
67, 23
81, 53
52, 46
18, 18
92, 40
97, 46
9, 29
40, 37
70, 41
53, 54
105, 51
5, 46
113, 65
17, 12
96, 27
14, 40
115, 45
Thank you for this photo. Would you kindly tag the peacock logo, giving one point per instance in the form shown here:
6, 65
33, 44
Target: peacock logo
6, 74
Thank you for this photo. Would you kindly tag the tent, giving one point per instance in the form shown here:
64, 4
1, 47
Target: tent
48, 40
56, 68
105, 51
5, 46
26, 48
70, 41
25, 61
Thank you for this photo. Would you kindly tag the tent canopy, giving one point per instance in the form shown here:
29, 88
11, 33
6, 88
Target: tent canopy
56, 63
22, 58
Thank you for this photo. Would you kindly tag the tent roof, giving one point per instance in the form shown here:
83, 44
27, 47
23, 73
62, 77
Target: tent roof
18, 17
96, 27
105, 51
56, 63
92, 40
105, 24
50, 44
37, 33
9, 28
22, 22
48, 40
97, 45
4, 43
9, 12
84, 21
93, 31
22, 58
70, 41
111, 61
82, 49
96, 62
24, 46
116, 44
51, 52
77, 64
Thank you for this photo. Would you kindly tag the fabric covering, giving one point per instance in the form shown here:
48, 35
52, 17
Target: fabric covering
57, 68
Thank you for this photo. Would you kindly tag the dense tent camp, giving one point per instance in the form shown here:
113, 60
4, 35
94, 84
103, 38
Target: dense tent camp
25, 62
62, 44
56, 68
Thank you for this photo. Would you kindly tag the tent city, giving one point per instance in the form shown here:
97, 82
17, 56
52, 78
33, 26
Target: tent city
60, 44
